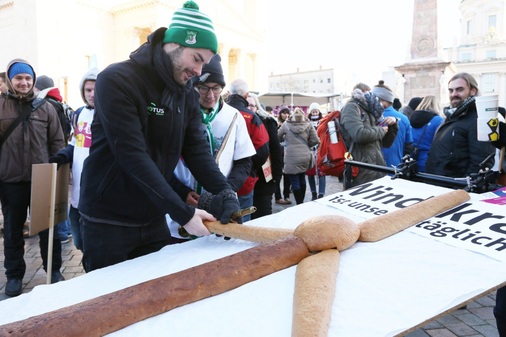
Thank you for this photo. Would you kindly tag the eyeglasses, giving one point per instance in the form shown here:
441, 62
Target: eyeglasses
252, 106
204, 89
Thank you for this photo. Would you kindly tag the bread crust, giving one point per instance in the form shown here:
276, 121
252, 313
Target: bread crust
315, 285
248, 233
381, 227
328, 232
114, 311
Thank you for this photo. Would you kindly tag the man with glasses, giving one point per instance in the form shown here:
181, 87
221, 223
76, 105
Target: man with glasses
227, 136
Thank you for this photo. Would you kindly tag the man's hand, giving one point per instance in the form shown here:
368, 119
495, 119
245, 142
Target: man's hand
58, 159
192, 198
196, 224
222, 206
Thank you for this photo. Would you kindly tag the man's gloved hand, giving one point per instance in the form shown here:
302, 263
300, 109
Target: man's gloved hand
58, 159
222, 206
502, 136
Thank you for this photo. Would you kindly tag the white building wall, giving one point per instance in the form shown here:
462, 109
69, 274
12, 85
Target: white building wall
65, 38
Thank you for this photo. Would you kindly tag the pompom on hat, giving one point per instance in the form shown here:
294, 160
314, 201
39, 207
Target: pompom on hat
191, 28
213, 72
383, 92
20, 68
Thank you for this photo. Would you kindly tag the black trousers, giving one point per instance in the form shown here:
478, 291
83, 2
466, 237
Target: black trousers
263, 203
15, 199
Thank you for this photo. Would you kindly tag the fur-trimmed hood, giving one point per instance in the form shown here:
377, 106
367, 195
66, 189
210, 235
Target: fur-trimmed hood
91, 75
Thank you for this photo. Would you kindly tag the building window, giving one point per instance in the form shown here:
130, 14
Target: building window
468, 27
488, 83
491, 54
329, 80
465, 57
492, 21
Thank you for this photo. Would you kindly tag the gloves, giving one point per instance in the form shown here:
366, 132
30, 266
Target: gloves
502, 136
58, 159
222, 206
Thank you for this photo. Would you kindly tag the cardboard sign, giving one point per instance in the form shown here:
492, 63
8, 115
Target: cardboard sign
267, 169
49, 196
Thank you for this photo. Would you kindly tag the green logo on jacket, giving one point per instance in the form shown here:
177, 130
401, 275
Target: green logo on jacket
152, 109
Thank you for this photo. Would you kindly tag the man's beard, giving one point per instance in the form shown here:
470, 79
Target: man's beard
175, 57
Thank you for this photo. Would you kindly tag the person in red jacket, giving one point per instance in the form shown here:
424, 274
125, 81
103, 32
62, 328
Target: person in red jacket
238, 99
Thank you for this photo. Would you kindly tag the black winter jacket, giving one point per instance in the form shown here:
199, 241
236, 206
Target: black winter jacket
137, 142
455, 150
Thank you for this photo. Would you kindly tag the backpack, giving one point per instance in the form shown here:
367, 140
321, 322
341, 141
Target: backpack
332, 150
65, 114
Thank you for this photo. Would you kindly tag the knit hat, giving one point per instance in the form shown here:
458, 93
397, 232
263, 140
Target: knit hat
314, 106
213, 72
20, 68
414, 102
383, 92
44, 82
283, 108
191, 28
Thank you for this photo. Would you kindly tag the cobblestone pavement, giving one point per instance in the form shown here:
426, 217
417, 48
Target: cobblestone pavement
475, 320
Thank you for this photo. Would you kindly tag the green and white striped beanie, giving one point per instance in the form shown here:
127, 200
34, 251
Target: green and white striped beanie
191, 28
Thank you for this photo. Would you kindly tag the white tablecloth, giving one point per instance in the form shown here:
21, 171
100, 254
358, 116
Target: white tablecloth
383, 288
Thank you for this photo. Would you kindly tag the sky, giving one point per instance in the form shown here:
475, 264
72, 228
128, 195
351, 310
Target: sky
363, 38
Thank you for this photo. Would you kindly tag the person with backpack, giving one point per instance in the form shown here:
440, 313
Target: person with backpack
299, 135
266, 184
78, 149
45, 89
365, 131
27, 138
239, 93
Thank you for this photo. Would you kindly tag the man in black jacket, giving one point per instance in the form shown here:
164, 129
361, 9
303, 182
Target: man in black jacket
146, 117
455, 150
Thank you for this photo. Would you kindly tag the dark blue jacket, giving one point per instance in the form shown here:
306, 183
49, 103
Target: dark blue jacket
142, 125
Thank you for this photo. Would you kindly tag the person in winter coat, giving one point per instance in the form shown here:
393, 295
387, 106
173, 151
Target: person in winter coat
36, 138
266, 184
146, 116
227, 135
78, 149
283, 198
299, 135
407, 110
256, 129
403, 142
425, 121
455, 150
314, 174
365, 131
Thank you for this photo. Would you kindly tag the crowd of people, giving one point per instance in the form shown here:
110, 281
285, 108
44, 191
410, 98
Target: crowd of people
159, 147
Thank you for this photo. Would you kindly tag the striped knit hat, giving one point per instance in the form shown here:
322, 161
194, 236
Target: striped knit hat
191, 28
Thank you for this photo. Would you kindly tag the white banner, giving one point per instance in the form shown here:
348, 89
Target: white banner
478, 225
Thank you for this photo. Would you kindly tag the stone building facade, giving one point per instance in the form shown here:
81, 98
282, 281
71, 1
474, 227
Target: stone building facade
65, 38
